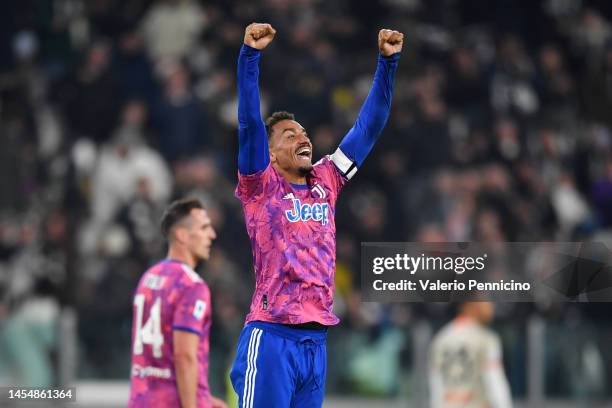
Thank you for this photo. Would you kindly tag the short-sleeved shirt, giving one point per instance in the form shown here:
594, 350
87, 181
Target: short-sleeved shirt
170, 296
460, 355
293, 238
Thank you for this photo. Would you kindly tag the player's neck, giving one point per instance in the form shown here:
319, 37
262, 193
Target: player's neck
465, 319
291, 177
179, 254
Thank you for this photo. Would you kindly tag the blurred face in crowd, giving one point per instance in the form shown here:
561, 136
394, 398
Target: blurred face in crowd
176, 85
55, 227
134, 113
178, 81
98, 58
290, 148
465, 62
196, 233
550, 59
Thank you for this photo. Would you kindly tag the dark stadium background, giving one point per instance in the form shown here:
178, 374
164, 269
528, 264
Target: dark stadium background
500, 131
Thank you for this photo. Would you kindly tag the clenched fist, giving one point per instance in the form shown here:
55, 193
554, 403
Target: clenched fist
390, 42
259, 35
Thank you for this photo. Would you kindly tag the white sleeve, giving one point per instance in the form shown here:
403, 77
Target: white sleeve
495, 382
436, 389
436, 382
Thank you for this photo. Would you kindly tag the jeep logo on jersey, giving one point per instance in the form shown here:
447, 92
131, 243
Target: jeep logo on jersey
304, 212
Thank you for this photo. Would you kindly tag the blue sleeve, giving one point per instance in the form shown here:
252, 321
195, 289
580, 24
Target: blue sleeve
358, 142
253, 154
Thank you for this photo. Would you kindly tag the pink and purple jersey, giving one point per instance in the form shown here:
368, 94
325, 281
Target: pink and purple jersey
293, 238
292, 229
170, 296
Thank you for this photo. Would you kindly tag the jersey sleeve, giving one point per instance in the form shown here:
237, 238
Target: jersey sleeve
436, 383
494, 378
253, 155
330, 173
192, 309
253, 187
358, 142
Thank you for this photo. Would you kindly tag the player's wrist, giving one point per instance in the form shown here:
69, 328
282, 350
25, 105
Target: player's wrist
392, 57
248, 50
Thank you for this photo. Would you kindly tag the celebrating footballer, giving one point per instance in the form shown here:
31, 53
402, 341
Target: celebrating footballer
289, 206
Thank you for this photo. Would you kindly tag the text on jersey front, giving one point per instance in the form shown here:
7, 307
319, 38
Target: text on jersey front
318, 212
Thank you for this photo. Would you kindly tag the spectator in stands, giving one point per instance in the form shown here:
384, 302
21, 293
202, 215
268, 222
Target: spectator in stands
182, 129
122, 166
171, 27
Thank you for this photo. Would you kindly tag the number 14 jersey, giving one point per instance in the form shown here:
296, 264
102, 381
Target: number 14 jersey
170, 296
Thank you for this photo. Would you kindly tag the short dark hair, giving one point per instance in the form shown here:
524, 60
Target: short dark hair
176, 211
275, 118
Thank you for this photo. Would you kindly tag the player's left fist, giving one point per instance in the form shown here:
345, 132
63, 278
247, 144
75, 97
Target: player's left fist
390, 41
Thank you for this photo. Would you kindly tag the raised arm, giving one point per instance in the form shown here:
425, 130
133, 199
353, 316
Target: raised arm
374, 113
253, 154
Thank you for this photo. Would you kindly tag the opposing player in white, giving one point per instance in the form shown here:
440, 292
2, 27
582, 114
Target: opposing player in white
465, 362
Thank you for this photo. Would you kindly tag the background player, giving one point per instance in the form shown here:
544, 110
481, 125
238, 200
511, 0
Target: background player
466, 368
172, 317
289, 209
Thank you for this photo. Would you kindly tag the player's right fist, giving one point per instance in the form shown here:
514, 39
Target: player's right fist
259, 35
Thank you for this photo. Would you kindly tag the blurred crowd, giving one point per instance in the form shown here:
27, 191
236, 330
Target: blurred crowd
501, 130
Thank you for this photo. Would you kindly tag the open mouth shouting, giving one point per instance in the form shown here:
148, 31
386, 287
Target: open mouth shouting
304, 152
